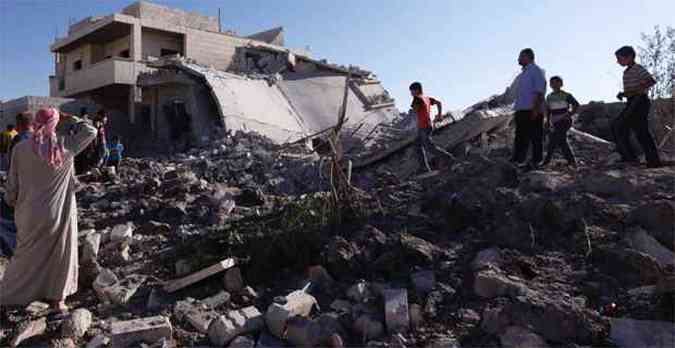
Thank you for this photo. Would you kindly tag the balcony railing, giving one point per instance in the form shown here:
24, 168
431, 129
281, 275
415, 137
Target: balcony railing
106, 72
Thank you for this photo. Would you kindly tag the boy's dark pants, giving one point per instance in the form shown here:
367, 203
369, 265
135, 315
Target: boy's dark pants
634, 118
558, 138
424, 145
528, 132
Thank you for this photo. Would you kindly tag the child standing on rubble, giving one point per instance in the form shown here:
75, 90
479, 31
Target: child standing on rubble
421, 105
560, 105
115, 150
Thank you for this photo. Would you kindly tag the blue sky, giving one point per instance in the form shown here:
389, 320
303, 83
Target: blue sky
462, 51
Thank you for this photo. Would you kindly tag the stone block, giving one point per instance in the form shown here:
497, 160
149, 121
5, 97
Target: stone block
217, 300
148, 330
233, 280
199, 316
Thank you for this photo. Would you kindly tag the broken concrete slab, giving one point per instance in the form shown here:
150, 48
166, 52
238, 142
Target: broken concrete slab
148, 330
518, 337
629, 333
77, 324
91, 246
297, 303
121, 292
658, 218
233, 280
29, 329
397, 316
175, 285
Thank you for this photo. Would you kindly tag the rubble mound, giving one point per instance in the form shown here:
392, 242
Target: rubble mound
234, 245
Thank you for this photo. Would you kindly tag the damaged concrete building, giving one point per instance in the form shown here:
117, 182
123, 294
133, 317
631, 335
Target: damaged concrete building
162, 71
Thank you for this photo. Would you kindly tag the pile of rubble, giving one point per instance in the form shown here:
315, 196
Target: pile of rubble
231, 245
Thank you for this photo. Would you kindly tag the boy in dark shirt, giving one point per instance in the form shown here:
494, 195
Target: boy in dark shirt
560, 106
421, 104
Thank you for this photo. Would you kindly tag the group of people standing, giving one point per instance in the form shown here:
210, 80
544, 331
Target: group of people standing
536, 113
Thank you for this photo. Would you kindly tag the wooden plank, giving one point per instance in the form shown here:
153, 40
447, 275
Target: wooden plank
175, 285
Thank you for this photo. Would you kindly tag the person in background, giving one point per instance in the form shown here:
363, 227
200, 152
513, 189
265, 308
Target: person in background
6, 138
560, 105
24, 126
115, 152
530, 108
636, 83
41, 188
421, 105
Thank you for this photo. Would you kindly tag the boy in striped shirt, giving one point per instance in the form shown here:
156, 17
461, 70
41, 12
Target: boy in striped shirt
636, 83
560, 106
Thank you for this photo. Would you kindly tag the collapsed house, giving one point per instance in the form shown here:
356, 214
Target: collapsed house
160, 71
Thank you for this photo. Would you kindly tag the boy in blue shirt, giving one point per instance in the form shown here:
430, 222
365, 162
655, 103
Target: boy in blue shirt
115, 150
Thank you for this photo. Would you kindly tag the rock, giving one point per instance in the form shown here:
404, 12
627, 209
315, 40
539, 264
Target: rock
341, 256
90, 248
424, 281
121, 232
444, 342
610, 184
491, 283
77, 324
148, 330
517, 337
643, 242
222, 331
416, 316
469, 316
36, 307
419, 249
199, 316
368, 328
658, 218
242, 342
175, 285
297, 303
540, 181
29, 329
302, 332
555, 316
121, 292
488, 257
629, 333
62, 343
629, 266
396, 310
233, 280
217, 300
98, 341
105, 279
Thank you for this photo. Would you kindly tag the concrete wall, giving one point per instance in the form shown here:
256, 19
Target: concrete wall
82, 53
212, 49
178, 17
153, 41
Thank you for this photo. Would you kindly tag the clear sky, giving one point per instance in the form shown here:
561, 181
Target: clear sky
462, 51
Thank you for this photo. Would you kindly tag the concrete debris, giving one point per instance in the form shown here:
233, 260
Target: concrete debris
517, 337
643, 242
199, 316
658, 218
486, 258
226, 327
416, 316
642, 333
98, 341
242, 342
217, 300
146, 330
121, 232
175, 285
62, 343
36, 307
27, 330
360, 292
111, 290
424, 281
233, 280
396, 310
77, 324
368, 328
297, 303
341, 306
92, 244
490, 283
